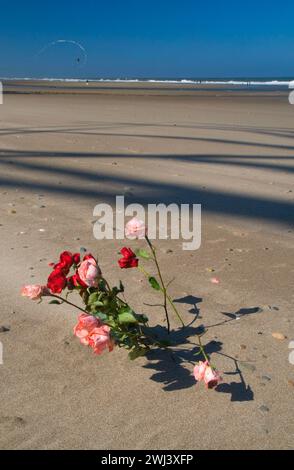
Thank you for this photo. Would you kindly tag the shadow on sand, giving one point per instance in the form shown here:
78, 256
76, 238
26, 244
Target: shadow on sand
172, 367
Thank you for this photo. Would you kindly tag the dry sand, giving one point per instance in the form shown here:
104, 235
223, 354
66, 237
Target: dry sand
62, 154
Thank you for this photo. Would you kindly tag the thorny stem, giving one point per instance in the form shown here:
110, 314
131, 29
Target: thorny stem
143, 271
162, 283
106, 283
175, 309
69, 303
166, 296
202, 350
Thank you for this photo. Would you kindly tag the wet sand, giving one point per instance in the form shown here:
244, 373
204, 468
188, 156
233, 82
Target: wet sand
232, 152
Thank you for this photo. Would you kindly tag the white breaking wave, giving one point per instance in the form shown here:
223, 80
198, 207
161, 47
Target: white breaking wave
289, 83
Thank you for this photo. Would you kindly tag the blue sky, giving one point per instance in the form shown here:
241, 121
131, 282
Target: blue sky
147, 38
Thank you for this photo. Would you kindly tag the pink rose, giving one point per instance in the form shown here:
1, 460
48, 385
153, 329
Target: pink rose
203, 371
199, 370
100, 339
135, 228
89, 272
86, 324
34, 292
212, 377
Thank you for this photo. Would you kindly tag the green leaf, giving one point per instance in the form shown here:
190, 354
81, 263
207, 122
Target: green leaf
154, 283
143, 253
101, 315
126, 315
141, 318
98, 304
117, 290
101, 284
111, 323
55, 302
93, 298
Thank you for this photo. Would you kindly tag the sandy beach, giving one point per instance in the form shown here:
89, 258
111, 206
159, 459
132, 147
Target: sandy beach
63, 150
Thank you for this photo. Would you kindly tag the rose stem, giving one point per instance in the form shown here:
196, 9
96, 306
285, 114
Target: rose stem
69, 303
175, 310
167, 295
202, 350
164, 288
162, 282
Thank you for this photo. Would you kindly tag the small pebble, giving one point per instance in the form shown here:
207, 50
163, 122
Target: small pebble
19, 420
266, 377
279, 336
264, 408
4, 329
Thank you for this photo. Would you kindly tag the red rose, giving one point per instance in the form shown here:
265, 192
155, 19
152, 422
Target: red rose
65, 262
57, 281
89, 256
76, 258
129, 259
75, 281
66, 259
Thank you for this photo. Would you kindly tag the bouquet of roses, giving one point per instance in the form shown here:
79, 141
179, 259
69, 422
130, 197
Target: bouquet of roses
106, 320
